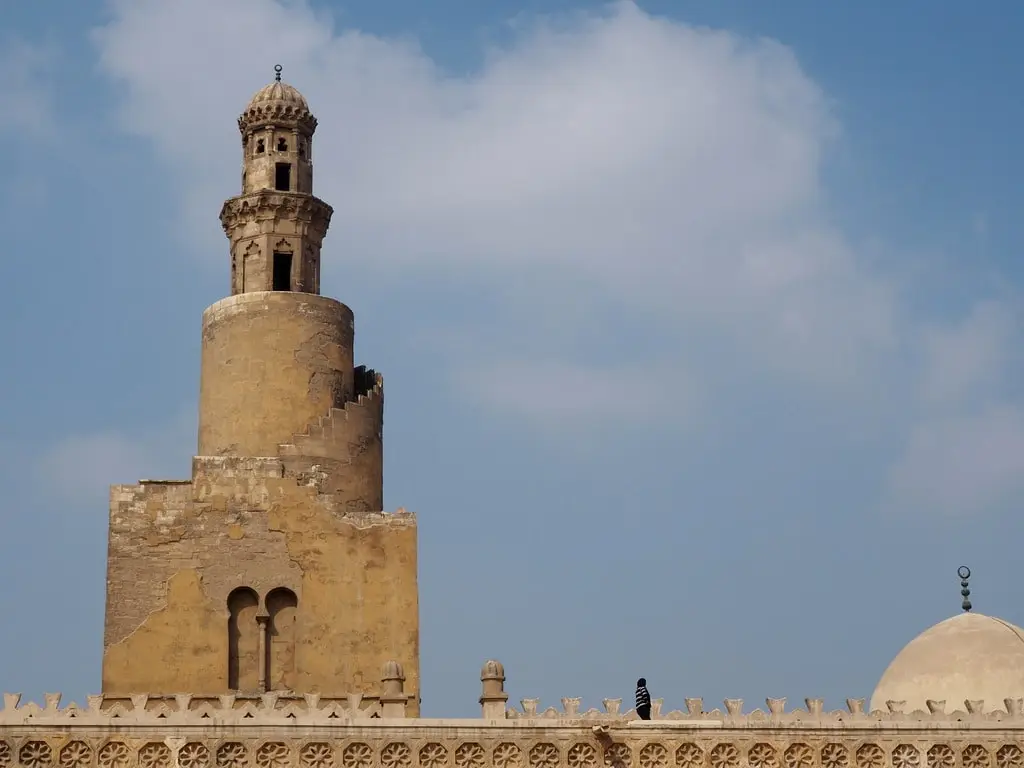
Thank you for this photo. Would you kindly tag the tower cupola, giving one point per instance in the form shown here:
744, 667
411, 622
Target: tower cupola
276, 226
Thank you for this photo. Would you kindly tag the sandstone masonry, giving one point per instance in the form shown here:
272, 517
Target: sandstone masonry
273, 568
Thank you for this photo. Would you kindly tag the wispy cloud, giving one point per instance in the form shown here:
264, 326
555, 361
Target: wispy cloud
656, 186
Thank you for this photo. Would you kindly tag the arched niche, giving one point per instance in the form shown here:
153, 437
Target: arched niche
243, 640
282, 605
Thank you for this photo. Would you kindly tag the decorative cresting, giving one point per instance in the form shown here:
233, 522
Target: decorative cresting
814, 716
275, 709
775, 714
229, 709
271, 731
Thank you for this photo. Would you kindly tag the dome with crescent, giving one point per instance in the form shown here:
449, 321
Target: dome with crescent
277, 104
967, 657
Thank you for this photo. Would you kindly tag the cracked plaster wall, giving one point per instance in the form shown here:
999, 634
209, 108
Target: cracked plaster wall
176, 551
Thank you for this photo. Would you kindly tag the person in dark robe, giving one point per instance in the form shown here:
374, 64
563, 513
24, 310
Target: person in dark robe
643, 699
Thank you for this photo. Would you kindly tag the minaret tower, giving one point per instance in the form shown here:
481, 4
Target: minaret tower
303, 343
273, 568
277, 141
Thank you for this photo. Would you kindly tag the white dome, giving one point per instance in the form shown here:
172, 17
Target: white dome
969, 656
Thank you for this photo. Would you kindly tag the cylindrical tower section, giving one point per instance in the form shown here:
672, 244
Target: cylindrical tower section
273, 364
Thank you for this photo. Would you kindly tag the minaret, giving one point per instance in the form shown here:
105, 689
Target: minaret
276, 239
273, 568
276, 356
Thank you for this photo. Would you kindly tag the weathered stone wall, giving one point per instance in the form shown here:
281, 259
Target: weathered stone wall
264, 222
344, 451
178, 551
273, 363
464, 744
265, 147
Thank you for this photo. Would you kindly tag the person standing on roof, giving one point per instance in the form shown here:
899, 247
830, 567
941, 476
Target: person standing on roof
643, 699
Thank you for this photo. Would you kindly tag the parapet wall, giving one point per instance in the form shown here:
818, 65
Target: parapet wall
179, 733
393, 700
284, 731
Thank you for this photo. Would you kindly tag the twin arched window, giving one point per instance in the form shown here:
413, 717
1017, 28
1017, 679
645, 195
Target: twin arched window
261, 643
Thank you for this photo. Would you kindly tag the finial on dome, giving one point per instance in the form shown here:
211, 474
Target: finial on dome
277, 72
964, 573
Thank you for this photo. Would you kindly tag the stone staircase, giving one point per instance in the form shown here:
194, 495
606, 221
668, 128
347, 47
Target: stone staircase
332, 434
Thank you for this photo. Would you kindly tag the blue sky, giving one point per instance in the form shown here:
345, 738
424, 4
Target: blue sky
700, 321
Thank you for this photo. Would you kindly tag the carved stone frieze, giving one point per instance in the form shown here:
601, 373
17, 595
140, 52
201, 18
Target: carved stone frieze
267, 204
461, 745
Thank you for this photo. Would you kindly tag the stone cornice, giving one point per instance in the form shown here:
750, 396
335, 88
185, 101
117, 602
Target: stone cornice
268, 204
277, 115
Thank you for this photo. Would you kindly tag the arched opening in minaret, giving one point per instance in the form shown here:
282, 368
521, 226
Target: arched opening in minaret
243, 640
281, 608
260, 147
282, 145
283, 177
282, 271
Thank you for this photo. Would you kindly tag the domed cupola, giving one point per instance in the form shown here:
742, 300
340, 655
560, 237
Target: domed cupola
967, 657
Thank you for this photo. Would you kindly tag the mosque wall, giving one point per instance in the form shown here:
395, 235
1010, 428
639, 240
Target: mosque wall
281, 731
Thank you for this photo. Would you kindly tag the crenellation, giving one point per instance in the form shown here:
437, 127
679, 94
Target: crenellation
272, 706
311, 731
775, 712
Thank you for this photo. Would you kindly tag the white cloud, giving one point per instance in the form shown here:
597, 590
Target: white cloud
660, 177
674, 169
